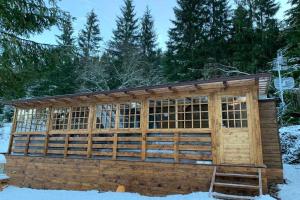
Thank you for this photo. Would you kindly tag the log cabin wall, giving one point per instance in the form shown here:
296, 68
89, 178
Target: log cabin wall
270, 140
147, 178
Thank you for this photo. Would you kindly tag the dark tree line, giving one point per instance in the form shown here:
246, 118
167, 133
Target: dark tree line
208, 38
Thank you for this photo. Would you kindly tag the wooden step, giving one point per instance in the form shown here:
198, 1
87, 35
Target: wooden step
229, 196
237, 175
233, 185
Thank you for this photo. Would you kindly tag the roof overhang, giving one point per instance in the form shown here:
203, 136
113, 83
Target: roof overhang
261, 79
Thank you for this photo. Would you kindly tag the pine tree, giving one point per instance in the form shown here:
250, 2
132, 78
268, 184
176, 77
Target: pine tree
149, 50
148, 36
218, 30
242, 40
125, 36
266, 32
89, 38
200, 33
124, 43
292, 31
66, 38
59, 76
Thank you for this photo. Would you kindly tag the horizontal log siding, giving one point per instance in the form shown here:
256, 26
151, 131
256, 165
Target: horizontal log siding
106, 175
86, 174
270, 141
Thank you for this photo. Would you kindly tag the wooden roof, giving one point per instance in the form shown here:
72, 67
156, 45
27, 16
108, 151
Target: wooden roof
223, 82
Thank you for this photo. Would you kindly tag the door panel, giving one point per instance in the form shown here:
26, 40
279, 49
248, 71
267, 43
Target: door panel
234, 132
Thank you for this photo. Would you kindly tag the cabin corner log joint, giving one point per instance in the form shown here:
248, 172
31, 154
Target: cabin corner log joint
133, 137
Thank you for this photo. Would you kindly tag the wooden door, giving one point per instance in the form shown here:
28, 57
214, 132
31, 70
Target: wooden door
235, 139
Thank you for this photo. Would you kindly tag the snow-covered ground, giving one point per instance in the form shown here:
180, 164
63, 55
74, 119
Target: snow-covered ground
289, 191
14, 193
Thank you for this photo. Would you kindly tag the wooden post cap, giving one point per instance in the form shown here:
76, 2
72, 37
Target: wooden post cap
121, 188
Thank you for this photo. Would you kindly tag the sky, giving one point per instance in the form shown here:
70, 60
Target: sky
108, 10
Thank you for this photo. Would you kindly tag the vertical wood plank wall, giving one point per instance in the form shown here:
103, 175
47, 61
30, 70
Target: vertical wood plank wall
270, 140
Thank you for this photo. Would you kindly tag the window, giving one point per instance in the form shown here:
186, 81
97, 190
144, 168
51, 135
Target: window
192, 112
60, 118
234, 112
189, 112
80, 117
105, 116
162, 113
29, 120
130, 115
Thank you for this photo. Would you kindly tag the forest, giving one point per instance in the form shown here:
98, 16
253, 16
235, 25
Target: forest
207, 39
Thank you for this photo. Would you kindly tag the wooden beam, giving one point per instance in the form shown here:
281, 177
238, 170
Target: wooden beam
197, 87
13, 130
66, 146
225, 84
91, 121
115, 146
48, 127
149, 91
176, 147
130, 94
172, 89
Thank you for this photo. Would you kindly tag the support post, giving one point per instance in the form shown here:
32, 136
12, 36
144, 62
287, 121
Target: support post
48, 127
13, 130
91, 123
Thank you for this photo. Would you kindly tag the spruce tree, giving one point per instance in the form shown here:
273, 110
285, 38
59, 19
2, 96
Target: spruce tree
242, 40
184, 40
148, 36
123, 48
22, 60
292, 31
267, 33
89, 37
200, 34
126, 35
66, 38
218, 30
59, 76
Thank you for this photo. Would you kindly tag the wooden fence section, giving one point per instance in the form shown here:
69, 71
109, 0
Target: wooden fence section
152, 147
270, 140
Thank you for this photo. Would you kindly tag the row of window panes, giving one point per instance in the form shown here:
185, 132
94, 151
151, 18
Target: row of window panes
191, 113
192, 110
31, 120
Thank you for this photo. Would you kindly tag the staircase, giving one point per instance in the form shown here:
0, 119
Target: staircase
235, 183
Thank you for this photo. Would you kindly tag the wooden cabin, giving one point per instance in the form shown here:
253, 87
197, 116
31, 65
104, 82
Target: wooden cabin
208, 135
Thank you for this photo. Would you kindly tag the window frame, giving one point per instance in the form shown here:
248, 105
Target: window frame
35, 122
243, 118
191, 112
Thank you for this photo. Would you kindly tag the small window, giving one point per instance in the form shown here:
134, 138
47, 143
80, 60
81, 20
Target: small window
234, 112
60, 117
129, 116
31, 120
80, 116
106, 116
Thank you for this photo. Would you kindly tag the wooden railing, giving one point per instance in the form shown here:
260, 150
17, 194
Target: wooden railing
156, 147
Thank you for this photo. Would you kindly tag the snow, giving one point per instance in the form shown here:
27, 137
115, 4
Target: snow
15, 193
4, 137
290, 143
3, 176
292, 189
